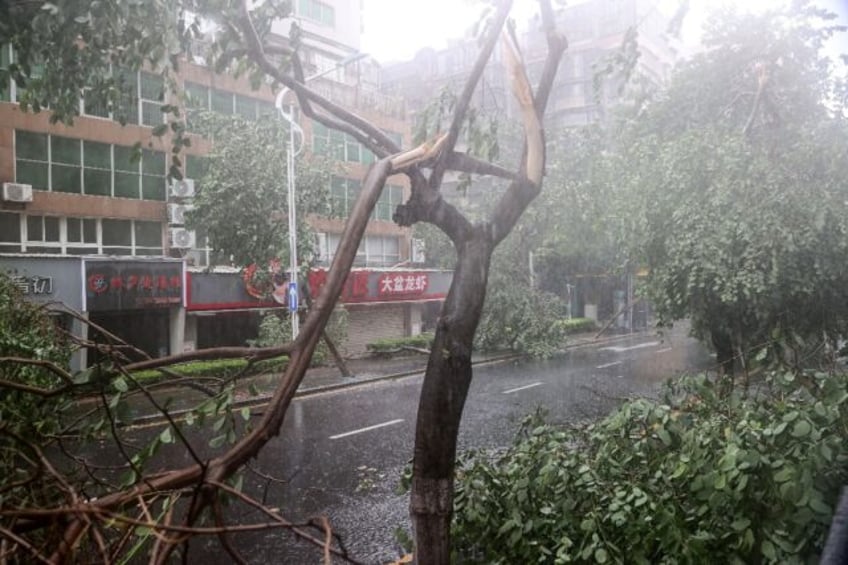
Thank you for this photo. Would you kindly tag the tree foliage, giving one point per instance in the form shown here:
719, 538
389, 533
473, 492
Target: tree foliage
696, 477
729, 186
241, 201
28, 338
100, 525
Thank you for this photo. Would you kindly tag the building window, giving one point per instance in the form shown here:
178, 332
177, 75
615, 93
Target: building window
148, 238
141, 100
151, 90
32, 159
390, 198
317, 11
81, 236
5, 61
10, 232
339, 146
203, 98
374, 250
343, 195
63, 164
28, 233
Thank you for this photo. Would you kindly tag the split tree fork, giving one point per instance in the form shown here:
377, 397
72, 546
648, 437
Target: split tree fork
449, 371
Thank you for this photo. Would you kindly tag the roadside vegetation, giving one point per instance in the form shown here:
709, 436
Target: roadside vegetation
698, 476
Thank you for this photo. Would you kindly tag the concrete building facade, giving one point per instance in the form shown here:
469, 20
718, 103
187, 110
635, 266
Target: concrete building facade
105, 229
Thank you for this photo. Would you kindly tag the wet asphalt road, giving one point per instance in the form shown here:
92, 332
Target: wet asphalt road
342, 452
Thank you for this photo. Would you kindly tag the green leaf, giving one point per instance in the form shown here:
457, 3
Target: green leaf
601, 555
818, 505
120, 384
801, 428
245, 413
166, 436
768, 550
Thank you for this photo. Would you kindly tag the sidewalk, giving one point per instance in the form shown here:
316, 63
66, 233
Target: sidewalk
327, 378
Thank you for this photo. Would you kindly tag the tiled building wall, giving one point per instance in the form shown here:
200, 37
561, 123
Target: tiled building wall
369, 323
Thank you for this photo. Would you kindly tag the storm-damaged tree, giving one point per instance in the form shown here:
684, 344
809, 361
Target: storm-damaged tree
733, 180
64, 50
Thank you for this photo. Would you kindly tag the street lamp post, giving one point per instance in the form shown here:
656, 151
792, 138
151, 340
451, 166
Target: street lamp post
292, 152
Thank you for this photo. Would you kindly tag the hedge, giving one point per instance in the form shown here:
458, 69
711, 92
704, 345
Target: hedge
394, 344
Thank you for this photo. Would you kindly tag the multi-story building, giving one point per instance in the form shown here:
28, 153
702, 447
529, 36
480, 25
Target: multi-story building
595, 30
85, 224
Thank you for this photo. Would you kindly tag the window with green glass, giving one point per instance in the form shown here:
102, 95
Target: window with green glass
6, 85
31, 159
127, 108
246, 107
117, 237
65, 166
390, 198
153, 175
343, 195
221, 101
317, 11
127, 175
148, 238
196, 166
152, 96
10, 232
97, 168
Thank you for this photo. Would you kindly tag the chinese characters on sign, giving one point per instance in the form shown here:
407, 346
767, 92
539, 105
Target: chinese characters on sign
126, 285
33, 285
363, 286
401, 284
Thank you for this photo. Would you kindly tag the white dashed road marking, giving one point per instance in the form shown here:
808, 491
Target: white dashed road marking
368, 429
606, 365
621, 349
525, 387
666, 350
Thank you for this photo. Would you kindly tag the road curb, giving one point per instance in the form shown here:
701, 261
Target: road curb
354, 382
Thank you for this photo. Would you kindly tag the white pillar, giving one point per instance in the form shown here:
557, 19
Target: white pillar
177, 320
79, 360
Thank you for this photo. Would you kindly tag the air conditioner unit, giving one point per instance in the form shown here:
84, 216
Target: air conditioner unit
181, 238
418, 255
182, 188
177, 213
16, 192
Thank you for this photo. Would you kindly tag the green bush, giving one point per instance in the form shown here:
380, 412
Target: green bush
275, 330
394, 344
694, 478
217, 368
577, 325
521, 320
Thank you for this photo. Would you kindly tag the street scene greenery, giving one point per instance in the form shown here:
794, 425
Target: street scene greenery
696, 476
725, 189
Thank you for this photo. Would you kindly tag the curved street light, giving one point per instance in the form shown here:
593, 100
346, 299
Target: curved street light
291, 153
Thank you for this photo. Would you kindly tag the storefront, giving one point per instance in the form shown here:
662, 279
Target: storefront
386, 303
222, 310
142, 301
54, 281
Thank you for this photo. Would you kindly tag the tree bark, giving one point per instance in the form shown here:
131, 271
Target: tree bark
443, 395
723, 346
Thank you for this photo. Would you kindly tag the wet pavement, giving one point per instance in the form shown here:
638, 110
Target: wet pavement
342, 450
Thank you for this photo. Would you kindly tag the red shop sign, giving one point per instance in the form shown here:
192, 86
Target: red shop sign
402, 284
